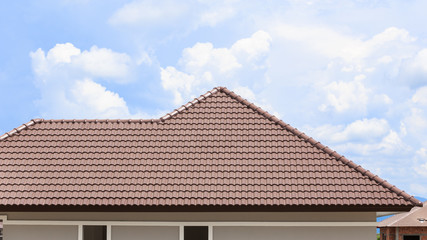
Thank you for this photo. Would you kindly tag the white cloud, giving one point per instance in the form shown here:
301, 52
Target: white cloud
148, 12
203, 66
418, 64
334, 44
62, 53
102, 62
183, 15
421, 167
254, 47
352, 96
98, 100
416, 124
177, 82
66, 77
343, 96
385, 59
366, 137
97, 62
360, 77
389, 35
203, 56
422, 152
323, 40
245, 92
360, 130
216, 12
144, 58
420, 96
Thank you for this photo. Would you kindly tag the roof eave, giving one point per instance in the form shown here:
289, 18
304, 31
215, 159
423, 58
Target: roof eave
200, 208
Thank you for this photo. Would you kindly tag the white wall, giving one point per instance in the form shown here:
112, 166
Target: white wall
39, 232
294, 233
144, 233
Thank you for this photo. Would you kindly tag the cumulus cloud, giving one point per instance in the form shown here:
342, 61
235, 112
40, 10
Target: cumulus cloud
102, 62
254, 47
97, 98
359, 130
390, 145
352, 96
364, 137
203, 56
66, 77
177, 82
344, 96
336, 73
203, 66
97, 62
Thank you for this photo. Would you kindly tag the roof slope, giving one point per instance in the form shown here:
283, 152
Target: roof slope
218, 150
407, 219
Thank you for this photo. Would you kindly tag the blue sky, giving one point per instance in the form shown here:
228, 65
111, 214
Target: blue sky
352, 74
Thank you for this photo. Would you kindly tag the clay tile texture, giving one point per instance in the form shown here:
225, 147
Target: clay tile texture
218, 152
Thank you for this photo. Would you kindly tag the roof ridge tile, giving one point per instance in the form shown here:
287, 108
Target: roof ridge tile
189, 104
20, 128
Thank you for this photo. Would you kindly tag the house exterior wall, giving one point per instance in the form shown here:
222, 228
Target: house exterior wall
17, 232
422, 231
306, 233
390, 232
144, 233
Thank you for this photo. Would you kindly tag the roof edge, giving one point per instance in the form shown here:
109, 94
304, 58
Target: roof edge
201, 208
20, 128
324, 148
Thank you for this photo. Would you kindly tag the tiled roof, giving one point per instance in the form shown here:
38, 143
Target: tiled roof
217, 150
407, 219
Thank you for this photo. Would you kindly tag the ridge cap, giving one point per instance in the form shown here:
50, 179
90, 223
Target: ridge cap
21, 128
136, 120
325, 149
191, 103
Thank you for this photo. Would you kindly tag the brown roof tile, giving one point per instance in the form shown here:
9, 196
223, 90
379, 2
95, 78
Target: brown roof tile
217, 150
